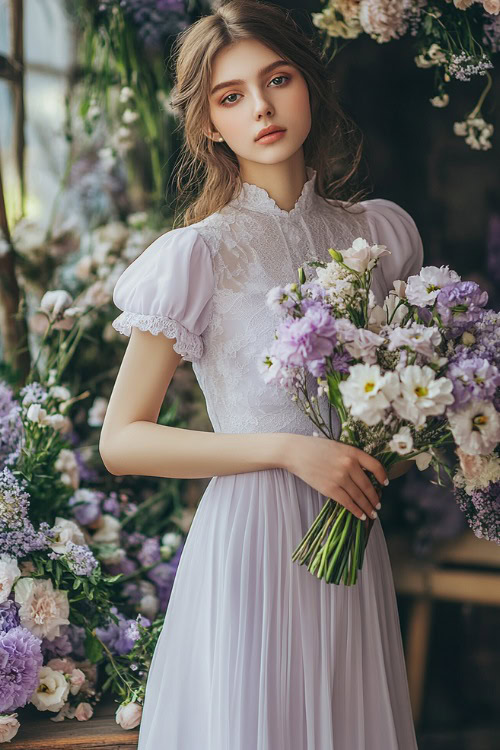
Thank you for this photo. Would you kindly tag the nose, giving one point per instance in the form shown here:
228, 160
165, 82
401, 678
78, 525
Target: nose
263, 107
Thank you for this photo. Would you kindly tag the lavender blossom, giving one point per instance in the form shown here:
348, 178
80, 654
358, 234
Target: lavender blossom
20, 662
482, 510
120, 637
86, 505
461, 305
483, 340
18, 537
11, 426
80, 559
9, 615
33, 393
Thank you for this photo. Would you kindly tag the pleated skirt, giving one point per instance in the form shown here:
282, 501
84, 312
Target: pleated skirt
258, 654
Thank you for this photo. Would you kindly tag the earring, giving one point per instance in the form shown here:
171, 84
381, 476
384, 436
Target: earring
221, 139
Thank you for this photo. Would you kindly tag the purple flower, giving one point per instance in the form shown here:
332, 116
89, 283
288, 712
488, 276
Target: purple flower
33, 393
112, 505
474, 379
486, 339
150, 552
57, 648
163, 576
305, 339
11, 426
126, 566
76, 635
80, 559
86, 505
120, 637
9, 617
341, 361
18, 537
482, 510
20, 662
460, 305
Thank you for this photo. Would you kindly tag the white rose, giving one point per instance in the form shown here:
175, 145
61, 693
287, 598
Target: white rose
129, 716
9, 573
8, 727
52, 690
66, 531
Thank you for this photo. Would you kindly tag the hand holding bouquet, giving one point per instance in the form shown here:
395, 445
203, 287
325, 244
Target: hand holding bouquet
405, 378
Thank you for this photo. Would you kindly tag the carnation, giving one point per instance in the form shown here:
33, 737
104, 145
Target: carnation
43, 609
20, 662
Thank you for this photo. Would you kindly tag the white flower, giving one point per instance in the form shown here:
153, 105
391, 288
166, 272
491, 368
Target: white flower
43, 609
109, 530
417, 337
361, 256
367, 392
9, 573
402, 441
129, 716
9, 726
440, 101
66, 463
149, 606
423, 289
129, 116
126, 93
476, 427
36, 413
422, 395
365, 345
52, 690
60, 392
56, 301
171, 539
76, 680
65, 531
423, 460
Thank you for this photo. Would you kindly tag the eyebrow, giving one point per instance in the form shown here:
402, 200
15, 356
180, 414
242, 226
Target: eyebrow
261, 72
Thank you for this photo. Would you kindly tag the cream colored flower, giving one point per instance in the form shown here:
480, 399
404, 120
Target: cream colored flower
65, 531
9, 726
129, 716
43, 609
52, 690
9, 573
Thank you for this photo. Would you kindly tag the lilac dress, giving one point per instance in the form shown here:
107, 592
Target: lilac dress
256, 653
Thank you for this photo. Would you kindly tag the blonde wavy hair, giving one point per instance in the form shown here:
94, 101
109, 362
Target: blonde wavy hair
207, 172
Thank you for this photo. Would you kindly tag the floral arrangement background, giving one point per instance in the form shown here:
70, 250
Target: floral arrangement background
456, 39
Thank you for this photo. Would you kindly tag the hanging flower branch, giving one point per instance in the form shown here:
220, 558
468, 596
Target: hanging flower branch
456, 38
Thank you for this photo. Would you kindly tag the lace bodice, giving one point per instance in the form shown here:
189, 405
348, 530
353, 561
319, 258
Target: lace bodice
206, 286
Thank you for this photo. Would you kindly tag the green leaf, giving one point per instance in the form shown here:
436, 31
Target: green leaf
93, 648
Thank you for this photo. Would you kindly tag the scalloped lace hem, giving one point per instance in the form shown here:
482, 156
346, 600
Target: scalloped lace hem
189, 345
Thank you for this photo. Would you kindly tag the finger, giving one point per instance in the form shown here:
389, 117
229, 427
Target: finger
360, 478
373, 465
342, 497
358, 496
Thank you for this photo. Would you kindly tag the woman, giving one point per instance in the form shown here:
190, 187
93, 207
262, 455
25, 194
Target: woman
256, 653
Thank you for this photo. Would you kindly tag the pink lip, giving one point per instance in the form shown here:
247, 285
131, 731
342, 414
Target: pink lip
271, 137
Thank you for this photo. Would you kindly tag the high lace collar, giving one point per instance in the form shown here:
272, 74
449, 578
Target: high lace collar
258, 199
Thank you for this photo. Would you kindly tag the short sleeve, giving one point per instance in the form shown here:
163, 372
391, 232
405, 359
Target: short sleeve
392, 226
168, 289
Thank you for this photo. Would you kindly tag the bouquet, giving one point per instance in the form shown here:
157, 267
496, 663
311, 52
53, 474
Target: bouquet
406, 378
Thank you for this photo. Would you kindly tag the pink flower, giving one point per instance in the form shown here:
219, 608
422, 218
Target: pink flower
84, 711
66, 665
8, 727
129, 716
43, 609
76, 680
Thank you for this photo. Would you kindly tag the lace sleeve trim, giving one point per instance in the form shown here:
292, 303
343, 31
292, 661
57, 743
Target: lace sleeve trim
189, 345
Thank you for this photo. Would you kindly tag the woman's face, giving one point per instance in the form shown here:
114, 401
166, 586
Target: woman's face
252, 98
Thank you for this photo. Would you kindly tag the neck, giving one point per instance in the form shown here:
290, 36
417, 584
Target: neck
282, 181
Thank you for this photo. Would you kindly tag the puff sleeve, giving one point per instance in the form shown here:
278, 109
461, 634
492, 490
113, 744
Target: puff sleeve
168, 289
391, 225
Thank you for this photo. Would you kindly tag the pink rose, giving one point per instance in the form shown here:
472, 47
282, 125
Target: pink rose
129, 716
65, 665
83, 711
8, 727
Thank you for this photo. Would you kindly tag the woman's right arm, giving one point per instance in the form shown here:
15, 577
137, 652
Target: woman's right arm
131, 441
